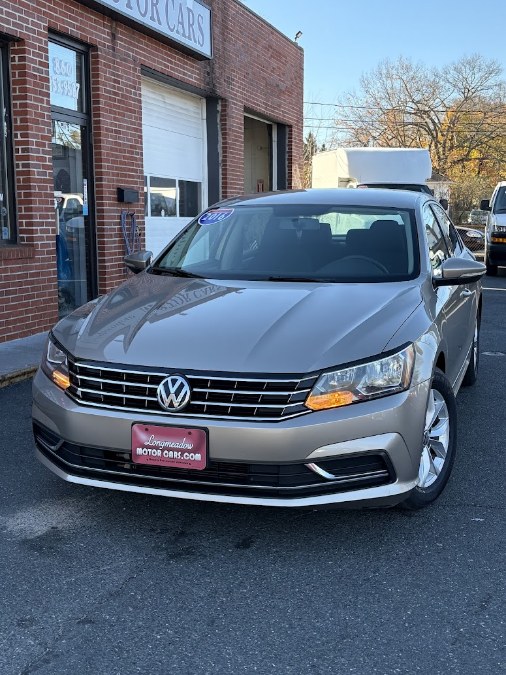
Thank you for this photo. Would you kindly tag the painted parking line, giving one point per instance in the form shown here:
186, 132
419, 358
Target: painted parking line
487, 288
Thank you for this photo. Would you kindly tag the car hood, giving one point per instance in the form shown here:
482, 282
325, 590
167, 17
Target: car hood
252, 326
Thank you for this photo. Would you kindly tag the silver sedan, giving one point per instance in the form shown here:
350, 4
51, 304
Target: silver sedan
297, 349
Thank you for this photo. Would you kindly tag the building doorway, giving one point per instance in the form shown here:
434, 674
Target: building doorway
75, 238
259, 170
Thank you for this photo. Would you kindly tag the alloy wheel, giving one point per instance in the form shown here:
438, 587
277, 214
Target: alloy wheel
436, 439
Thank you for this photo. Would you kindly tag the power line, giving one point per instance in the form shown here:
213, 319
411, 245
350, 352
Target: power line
397, 109
408, 122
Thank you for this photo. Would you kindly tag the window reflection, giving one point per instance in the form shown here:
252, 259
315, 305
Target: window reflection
6, 169
162, 197
69, 202
170, 197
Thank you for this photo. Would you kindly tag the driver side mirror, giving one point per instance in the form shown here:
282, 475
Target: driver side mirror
137, 262
456, 271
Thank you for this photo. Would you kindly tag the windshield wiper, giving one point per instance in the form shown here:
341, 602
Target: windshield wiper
500, 211
175, 272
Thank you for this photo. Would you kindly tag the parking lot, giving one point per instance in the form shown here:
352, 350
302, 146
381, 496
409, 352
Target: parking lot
104, 582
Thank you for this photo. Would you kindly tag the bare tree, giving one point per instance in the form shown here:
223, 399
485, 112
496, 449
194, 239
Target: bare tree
458, 112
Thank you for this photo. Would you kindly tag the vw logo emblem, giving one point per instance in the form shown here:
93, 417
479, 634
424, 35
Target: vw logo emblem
173, 393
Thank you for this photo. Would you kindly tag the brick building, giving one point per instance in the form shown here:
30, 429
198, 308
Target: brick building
178, 103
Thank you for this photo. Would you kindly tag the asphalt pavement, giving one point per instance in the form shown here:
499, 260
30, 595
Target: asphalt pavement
106, 582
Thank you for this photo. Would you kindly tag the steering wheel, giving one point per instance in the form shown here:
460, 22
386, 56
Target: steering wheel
365, 258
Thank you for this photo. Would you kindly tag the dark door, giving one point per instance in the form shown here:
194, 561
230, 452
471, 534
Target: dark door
73, 187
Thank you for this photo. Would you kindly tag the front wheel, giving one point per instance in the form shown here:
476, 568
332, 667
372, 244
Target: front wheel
491, 269
439, 444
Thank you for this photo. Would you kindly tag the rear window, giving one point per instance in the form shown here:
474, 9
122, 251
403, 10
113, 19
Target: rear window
297, 242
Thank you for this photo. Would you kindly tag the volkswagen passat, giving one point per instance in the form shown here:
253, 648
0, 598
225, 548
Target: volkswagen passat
294, 349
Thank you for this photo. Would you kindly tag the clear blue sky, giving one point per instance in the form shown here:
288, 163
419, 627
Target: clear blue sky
342, 39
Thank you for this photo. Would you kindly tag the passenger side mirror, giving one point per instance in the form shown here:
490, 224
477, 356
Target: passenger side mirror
485, 205
456, 271
136, 262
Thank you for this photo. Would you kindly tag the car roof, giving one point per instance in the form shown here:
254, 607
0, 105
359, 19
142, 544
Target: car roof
377, 197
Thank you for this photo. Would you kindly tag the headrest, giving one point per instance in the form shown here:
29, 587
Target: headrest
300, 224
385, 225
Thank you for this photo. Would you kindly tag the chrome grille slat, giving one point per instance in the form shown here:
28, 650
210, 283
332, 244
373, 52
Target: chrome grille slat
166, 414
280, 406
131, 384
241, 391
204, 376
115, 395
213, 396
194, 401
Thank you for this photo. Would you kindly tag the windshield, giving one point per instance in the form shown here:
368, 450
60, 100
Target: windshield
500, 201
296, 243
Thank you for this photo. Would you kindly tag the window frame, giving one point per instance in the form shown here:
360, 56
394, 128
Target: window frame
441, 215
6, 147
427, 207
147, 195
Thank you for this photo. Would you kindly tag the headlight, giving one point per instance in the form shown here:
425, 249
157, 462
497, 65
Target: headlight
55, 365
364, 382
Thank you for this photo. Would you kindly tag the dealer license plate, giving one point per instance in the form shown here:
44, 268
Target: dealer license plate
169, 446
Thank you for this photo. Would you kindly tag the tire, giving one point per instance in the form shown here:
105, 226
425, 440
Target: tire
491, 269
472, 369
441, 427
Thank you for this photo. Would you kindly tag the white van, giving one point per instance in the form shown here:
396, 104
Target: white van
495, 229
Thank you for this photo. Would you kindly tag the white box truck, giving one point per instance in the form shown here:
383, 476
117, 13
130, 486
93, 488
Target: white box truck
400, 168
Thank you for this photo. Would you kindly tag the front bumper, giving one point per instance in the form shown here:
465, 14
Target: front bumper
496, 250
371, 449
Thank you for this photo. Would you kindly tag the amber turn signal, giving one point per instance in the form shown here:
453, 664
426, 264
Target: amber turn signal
61, 379
333, 400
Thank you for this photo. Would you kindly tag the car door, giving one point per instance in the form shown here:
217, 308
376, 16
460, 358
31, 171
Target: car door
469, 292
454, 303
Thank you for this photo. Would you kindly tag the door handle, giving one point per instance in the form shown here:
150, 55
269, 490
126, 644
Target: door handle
465, 293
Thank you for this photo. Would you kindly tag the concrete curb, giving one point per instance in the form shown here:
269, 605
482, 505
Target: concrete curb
17, 376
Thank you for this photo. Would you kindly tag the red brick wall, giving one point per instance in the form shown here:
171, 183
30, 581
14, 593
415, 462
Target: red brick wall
254, 67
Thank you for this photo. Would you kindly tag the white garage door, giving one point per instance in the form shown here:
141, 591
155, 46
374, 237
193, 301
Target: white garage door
174, 146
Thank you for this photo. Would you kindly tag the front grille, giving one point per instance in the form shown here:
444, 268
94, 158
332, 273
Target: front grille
214, 395
233, 478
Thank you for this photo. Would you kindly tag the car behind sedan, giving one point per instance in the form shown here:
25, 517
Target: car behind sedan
297, 349
495, 230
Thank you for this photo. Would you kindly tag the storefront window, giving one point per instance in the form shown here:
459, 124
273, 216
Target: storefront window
7, 231
65, 76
